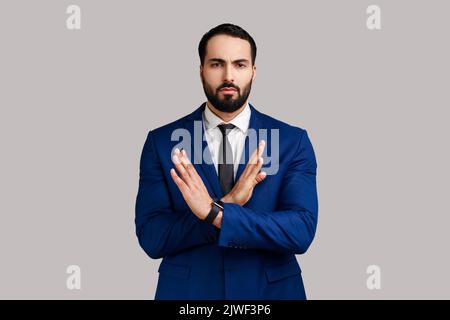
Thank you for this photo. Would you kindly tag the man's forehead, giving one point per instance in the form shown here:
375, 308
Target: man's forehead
228, 48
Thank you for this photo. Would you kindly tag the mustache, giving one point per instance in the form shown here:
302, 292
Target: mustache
228, 85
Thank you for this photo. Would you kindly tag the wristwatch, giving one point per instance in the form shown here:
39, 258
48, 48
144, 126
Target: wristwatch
216, 207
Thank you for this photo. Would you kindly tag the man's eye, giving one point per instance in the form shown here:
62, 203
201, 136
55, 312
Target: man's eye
215, 65
241, 65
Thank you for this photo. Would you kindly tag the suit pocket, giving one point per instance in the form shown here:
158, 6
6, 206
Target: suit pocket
175, 270
285, 270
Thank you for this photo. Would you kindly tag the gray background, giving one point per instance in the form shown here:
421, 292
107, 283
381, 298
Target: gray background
76, 107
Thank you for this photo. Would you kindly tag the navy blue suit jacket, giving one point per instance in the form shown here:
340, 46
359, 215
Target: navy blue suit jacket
252, 256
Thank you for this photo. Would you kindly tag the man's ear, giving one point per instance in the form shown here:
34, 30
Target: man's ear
254, 72
201, 71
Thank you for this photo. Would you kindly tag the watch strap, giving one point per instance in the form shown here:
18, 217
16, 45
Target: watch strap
216, 207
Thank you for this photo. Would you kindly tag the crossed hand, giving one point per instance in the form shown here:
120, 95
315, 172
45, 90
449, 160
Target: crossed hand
195, 193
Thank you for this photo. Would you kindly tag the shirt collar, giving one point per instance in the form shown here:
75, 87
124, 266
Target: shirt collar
241, 121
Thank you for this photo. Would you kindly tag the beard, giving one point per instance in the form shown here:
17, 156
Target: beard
227, 103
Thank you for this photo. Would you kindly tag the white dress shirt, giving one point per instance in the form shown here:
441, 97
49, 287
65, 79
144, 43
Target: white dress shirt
236, 136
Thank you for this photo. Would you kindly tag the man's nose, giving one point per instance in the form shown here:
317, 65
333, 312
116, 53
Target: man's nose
228, 74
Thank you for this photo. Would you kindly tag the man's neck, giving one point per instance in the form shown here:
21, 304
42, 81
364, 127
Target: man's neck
226, 116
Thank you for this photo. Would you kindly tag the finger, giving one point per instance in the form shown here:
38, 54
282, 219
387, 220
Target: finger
197, 180
257, 153
179, 182
176, 152
188, 165
185, 159
261, 147
260, 177
259, 164
181, 169
177, 162
253, 157
256, 168
253, 161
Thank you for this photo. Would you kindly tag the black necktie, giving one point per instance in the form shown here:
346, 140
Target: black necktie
226, 171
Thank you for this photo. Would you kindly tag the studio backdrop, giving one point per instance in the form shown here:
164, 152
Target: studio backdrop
83, 82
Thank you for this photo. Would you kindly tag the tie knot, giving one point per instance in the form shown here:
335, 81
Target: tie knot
225, 128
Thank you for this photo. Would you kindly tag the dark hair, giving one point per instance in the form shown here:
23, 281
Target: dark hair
230, 30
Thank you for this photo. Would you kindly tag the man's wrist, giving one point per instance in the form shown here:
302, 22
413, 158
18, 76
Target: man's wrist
216, 208
218, 220
227, 199
230, 199
207, 209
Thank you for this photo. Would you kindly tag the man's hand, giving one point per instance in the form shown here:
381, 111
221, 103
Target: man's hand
243, 189
191, 185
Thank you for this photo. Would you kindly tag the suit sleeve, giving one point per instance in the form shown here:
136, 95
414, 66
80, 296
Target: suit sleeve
289, 229
162, 231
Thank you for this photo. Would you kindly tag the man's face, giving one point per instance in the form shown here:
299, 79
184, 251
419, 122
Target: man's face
227, 72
